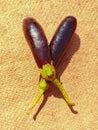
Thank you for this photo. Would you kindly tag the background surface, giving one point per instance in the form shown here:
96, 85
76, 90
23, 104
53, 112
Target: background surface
19, 73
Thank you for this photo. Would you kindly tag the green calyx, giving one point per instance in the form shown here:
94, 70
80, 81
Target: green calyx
43, 85
48, 72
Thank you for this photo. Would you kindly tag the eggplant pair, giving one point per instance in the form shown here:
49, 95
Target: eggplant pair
49, 57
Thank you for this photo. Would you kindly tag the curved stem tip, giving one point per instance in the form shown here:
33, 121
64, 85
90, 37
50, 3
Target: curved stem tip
63, 91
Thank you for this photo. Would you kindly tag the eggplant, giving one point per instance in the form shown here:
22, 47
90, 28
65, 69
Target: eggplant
44, 54
61, 38
37, 41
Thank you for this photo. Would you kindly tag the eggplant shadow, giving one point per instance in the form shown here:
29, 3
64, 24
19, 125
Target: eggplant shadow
53, 90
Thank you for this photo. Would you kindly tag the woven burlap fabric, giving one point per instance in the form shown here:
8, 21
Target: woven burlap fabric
19, 74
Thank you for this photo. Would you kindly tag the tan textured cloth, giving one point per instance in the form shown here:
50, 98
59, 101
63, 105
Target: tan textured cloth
19, 73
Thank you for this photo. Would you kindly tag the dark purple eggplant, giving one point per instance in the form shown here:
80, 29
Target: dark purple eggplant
37, 41
60, 40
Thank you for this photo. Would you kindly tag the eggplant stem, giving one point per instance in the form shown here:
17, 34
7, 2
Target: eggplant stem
63, 91
43, 86
35, 101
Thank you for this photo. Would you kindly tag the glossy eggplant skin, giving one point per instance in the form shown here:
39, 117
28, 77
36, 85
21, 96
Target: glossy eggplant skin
37, 41
61, 38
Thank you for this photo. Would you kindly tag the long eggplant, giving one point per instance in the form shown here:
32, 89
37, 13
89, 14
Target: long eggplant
61, 38
37, 41
36, 38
